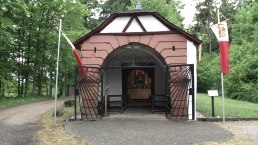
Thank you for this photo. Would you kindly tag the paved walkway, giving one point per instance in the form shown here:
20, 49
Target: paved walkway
146, 131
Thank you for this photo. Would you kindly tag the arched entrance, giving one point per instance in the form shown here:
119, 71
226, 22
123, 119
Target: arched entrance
134, 73
134, 55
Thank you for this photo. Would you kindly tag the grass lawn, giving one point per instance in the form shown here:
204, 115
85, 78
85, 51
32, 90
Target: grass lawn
10, 102
233, 108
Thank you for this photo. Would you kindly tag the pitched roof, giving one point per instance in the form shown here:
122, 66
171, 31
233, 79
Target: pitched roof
136, 23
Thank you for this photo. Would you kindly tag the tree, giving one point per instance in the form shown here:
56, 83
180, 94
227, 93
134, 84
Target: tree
206, 16
90, 19
10, 14
242, 81
29, 40
169, 9
112, 6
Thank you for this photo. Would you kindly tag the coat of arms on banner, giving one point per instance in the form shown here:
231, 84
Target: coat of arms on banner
222, 30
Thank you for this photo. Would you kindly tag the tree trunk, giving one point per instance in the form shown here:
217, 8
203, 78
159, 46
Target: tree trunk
28, 58
65, 82
60, 85
60, 89
18, 66
1, 90
51, 85
22, 66
33, 83
38, 62
47, 91
39, 82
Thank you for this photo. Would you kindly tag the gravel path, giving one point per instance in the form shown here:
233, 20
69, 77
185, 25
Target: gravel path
245, 132
137, 131
18, 124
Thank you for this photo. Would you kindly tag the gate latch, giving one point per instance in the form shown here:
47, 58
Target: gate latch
191, 91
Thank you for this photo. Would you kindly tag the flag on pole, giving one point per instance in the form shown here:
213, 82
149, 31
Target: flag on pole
77, 56
221, 32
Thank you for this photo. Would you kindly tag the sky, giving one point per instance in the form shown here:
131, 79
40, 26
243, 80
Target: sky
188, 11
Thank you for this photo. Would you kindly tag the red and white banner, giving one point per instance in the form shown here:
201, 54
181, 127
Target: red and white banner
221, 32
77, 56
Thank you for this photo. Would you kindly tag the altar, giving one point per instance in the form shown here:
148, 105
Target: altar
139, 93
139, 85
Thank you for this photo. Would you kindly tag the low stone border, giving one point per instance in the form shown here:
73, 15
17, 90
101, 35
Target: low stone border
226, 119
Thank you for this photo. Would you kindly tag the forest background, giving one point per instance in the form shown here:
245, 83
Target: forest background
29, 31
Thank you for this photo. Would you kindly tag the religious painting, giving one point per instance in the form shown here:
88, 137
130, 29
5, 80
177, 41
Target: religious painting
139, 79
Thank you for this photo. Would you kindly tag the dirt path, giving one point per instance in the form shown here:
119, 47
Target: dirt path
18, 124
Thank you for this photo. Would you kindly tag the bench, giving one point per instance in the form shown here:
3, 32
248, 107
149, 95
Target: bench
159, 103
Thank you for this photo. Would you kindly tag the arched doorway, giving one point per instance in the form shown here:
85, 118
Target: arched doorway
134, 55
135, 72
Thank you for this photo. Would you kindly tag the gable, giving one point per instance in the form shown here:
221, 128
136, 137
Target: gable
136, 23
146, 23
152, 24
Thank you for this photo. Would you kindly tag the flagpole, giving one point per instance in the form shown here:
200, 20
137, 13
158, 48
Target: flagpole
57, 65
222, 81
222, 91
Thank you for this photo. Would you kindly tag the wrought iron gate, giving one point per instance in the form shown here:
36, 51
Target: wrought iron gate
181, 91
88, 85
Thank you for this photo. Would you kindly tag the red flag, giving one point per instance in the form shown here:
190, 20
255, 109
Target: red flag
77, 56
221, 32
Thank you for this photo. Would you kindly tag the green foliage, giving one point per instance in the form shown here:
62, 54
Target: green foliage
207, 15
28, 44
242, 80
169, 9
246, 26
10, 101
208, 73
90, 20
112, 6
233, 108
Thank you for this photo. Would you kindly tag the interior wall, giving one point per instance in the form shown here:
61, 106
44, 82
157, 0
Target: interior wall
160, 81
113, 78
